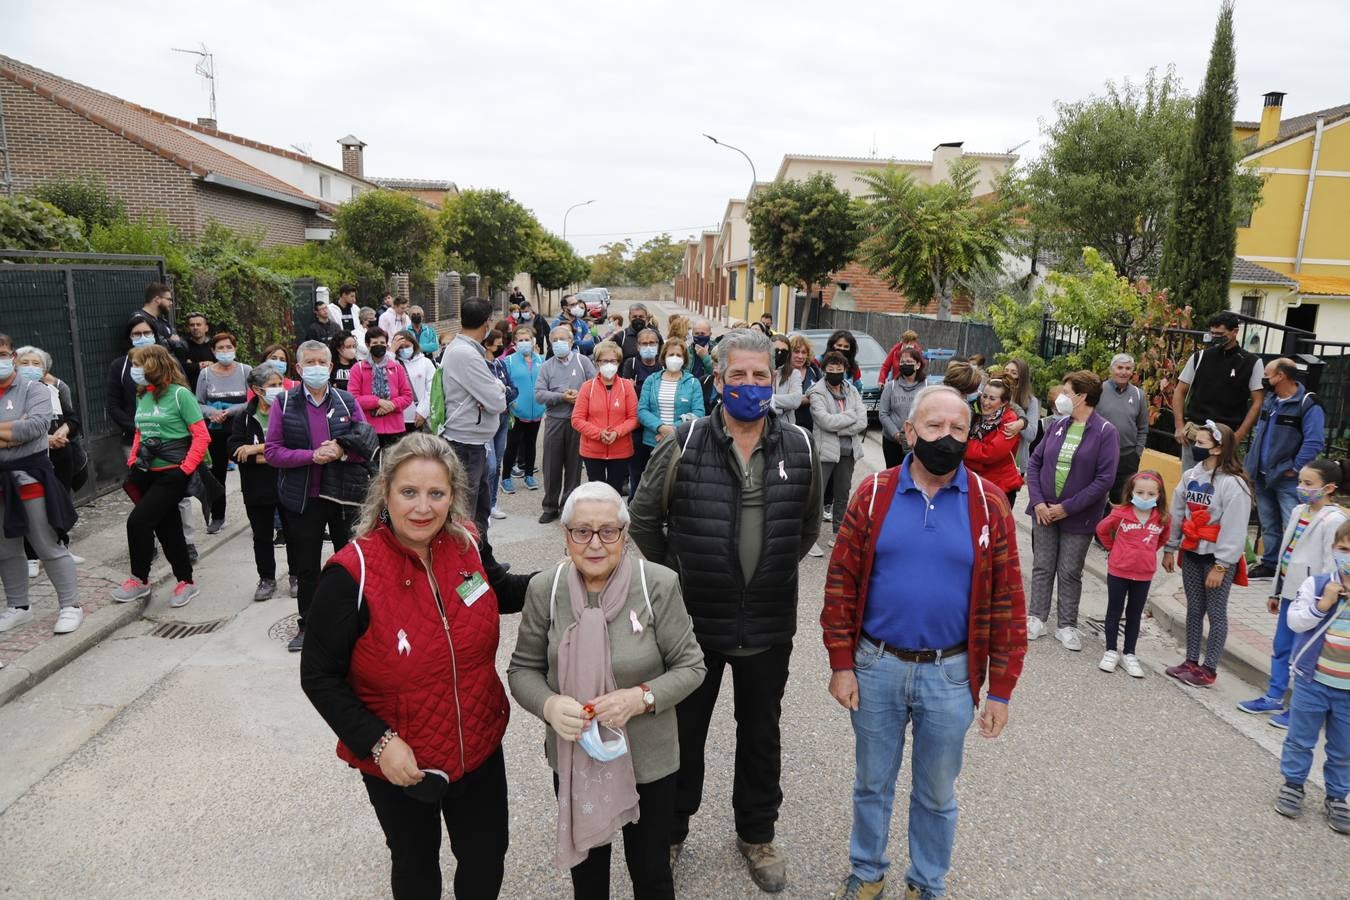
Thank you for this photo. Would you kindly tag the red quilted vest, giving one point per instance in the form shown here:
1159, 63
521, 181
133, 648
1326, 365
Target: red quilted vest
434, 683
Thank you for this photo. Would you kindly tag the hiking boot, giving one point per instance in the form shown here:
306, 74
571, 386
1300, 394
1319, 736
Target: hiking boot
854, 888
768, 865
265, 589
1338, 814
131, 589
1289, 801
1181, 668
914, 892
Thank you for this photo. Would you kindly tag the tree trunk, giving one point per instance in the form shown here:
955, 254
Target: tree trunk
944, 310
806, 308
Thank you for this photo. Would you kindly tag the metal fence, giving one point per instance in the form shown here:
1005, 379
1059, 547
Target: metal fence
963, 338
77, 310
303, 292
1333, 388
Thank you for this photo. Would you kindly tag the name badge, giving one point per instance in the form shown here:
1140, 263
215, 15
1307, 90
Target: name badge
472, 588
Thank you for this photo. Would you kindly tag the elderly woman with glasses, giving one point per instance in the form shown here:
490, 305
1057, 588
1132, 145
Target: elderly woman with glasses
605, 652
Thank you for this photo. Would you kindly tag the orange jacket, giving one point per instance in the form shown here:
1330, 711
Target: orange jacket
597, 410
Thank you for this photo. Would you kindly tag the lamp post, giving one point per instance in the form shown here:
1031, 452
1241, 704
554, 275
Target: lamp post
750, 247
569, 212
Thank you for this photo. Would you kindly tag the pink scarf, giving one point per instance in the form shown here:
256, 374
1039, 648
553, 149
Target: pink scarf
595, 799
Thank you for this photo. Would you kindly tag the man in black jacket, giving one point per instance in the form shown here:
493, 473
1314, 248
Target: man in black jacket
158, 312
639, 320
732, 502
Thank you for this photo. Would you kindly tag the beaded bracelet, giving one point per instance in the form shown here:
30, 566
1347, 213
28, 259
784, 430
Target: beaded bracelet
383, 742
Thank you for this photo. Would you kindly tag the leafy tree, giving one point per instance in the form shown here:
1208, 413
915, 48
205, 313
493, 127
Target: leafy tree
610, 266
491, 231
331, 263
87, 198
801, 232
390, 231
1158, 357
1197, 260
1099, 303
922, 238
656, 261
553, 264
27, 223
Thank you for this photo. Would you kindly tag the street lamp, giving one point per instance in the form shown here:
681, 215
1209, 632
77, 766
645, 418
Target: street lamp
569, 211
750, 252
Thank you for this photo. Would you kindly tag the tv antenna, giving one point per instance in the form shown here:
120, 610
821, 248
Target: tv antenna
206, 67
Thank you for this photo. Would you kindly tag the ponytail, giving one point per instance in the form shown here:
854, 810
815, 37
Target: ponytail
1332, 471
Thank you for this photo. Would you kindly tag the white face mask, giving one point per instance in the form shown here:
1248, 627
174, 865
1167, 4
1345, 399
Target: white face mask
1064, 405
674, 362
609, 370
578, 311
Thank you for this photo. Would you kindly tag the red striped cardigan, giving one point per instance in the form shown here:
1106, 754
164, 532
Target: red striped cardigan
997, 639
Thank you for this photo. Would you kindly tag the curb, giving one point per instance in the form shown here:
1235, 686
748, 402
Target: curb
1169, 611
41, 662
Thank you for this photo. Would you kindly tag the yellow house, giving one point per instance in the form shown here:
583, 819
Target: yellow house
1301, 230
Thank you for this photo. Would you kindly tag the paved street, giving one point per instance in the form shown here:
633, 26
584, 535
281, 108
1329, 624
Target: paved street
196, 768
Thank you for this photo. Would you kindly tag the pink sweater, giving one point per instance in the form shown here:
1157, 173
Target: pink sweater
1132, 546
360, 385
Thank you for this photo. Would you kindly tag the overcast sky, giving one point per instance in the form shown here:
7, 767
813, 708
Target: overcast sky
564, 102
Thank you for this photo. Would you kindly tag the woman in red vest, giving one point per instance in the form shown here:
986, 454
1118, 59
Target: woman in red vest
399, 657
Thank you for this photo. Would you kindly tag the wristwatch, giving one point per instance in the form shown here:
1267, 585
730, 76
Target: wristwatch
648, 698
1222, 567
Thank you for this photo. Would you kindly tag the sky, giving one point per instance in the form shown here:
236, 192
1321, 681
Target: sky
564, 102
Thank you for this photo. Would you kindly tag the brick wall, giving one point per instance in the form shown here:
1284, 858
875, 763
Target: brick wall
48, 141
873, 295
282, 223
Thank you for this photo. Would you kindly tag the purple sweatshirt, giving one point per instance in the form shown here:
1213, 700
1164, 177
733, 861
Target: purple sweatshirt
1090, 475
280, 456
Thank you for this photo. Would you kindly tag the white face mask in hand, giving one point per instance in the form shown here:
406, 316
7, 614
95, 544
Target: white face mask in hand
601, 750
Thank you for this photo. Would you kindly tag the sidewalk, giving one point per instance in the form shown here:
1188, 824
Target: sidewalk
31, 652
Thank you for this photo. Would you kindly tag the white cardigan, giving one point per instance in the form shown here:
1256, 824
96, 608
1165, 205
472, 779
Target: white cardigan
1312, 553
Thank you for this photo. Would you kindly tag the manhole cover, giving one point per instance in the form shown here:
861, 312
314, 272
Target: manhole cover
174, 630
285, 629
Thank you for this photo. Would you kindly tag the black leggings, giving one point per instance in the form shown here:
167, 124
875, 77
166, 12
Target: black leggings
610, 471
220, 462
262, 518
521, 442
476, 817
1117, 590
156, 516
646, 849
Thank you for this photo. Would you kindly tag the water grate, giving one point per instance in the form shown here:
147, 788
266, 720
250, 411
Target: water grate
175, 630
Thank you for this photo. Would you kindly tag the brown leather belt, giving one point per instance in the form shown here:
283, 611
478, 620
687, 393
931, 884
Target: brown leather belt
917, 656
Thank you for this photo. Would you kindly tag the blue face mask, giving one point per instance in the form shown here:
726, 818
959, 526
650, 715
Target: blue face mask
142, 340
225, 356
405, 353
525, 347
1341, 559
562, 349
6, 368
30, 373
601, 750
137, 374
1309, 495
1144, 503
747, 402
648, 353
314, 376
702, 340
272, 393
279, 365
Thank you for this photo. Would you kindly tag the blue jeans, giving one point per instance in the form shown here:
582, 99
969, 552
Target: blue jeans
1275, 500
935, 697
496, 452
1314, 707
1280, 647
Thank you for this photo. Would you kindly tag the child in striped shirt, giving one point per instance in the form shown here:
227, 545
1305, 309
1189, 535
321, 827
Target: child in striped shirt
1320, 664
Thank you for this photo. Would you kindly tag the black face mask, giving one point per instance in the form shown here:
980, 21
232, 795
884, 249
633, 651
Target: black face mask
638, 325
907, 371
417, 320
941, 456
377, 351
834, 379
781, 357
1202, 453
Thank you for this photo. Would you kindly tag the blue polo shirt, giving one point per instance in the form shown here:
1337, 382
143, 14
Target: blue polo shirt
918, 597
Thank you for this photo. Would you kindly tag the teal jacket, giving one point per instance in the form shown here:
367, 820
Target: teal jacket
524, 372
688, 401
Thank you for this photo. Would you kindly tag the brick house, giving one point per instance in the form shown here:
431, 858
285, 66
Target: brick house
157, 164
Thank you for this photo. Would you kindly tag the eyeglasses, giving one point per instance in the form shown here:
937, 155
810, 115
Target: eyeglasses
582, 535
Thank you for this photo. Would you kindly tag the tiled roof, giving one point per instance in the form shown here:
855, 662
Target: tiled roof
1245, 272
1324, 285
160, 134
414, 184
1296, 125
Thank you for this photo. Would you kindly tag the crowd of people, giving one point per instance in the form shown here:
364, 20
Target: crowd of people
712, 469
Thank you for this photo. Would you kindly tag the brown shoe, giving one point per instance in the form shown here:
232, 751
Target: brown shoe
768, 865
854, 888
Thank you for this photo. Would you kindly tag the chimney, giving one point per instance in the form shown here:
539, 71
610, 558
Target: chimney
207, 123
943, 156
352, 155
1270, 119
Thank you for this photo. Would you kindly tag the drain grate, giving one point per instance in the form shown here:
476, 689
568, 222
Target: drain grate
285, 629
175, 630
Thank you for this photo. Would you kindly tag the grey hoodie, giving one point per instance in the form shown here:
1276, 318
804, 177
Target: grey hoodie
896, 399
1229, 502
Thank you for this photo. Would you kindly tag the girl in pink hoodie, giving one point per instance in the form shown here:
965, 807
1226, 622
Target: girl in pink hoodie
1132, 534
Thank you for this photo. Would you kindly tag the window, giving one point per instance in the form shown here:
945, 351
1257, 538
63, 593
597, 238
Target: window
323, 186
1251, 305
355, 191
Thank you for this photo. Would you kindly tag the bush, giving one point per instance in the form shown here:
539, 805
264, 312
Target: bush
86, 198
27, 223
328, 263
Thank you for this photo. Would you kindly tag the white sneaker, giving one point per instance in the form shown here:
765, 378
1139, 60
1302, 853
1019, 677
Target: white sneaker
70, 618
1130, 663
34, 567
827, 514
12, 618
1035, 628
1110, 659
497, 513
815, 551
77, 560
1070, 638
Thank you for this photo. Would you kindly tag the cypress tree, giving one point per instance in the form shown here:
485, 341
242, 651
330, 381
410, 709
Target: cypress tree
1197, 260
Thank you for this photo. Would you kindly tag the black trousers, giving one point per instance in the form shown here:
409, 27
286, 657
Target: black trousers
642, 454
892, 452
475, 814
522, 441
156, 516
304, 542
1128, 465
646, 849
611, 471
1124, 595
220, 464
758, 682
262, 519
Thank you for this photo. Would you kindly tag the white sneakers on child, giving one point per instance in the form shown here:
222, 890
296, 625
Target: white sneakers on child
1110, 659
1070, 638
1130, 663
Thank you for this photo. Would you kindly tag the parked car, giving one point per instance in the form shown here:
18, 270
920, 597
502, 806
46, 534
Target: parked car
870, 357
596, 300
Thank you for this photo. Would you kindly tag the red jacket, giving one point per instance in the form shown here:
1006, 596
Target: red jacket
997, 638
995, 454
360, 384
597, 410
1132, 547
891, 366
433, 680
